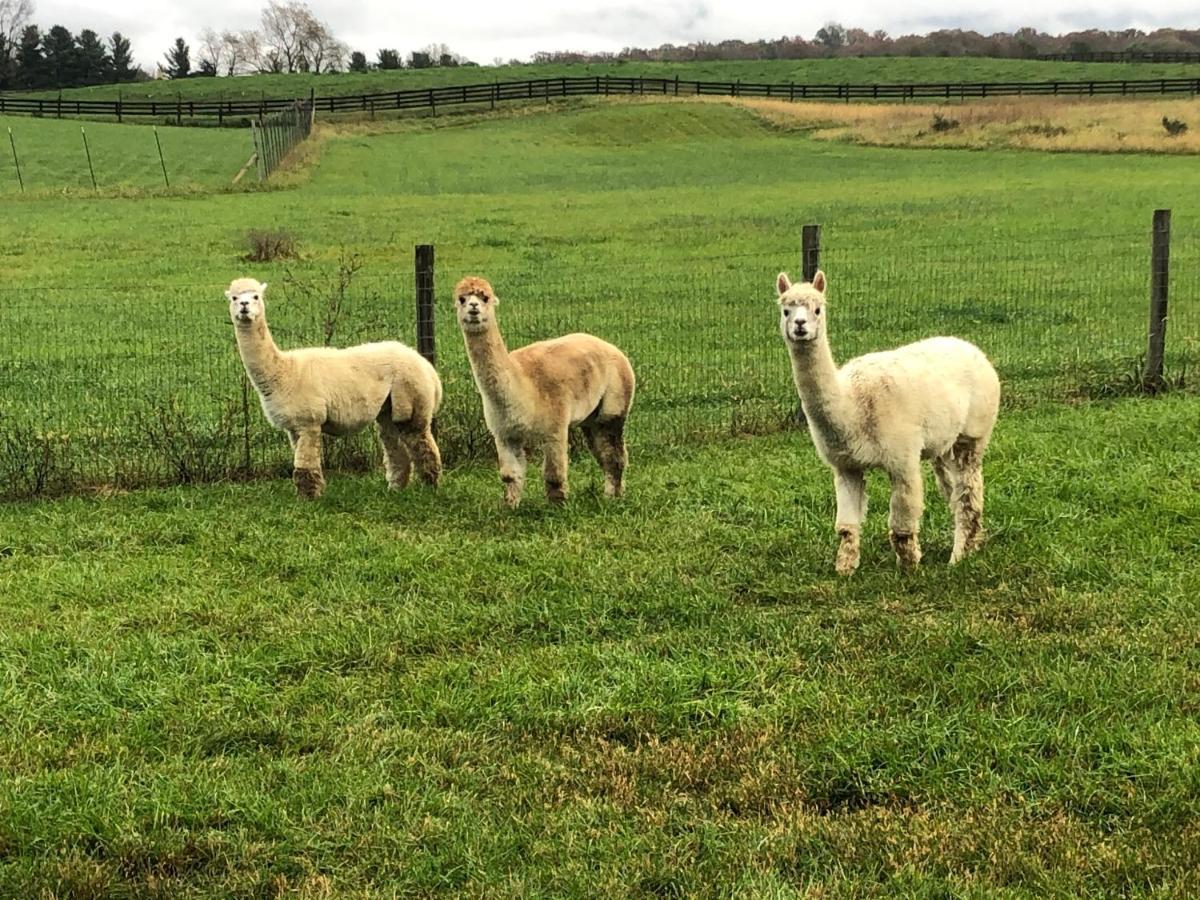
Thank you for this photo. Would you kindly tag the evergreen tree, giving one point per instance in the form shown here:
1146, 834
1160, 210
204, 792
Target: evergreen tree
31, 67
388, 59
122, 58
8, 65
178, 62
94, 63
60, 58
358, 61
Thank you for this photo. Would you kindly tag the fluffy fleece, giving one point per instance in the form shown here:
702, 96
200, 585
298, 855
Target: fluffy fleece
532, 396
324, 390
936, 399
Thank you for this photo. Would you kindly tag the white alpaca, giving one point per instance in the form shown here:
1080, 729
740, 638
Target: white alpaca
532, 396
316, 390
936, 399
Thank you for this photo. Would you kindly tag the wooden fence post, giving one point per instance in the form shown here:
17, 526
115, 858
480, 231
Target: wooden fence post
426, 342
1160, 257
810, 251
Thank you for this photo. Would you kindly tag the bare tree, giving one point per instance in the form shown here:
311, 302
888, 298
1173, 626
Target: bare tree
283, 26
323, 51
14, 16
211, 51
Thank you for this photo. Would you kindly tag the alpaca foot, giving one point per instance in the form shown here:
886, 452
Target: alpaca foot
432, 477
310, 483
968, 546
613, 488
512, 491
556, 492
847, 555
908, 550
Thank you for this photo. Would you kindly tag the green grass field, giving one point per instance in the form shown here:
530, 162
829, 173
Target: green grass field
660, 226
813, 71
218, 691
54, 160
215, 690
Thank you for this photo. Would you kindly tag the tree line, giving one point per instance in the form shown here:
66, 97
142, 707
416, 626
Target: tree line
835, 40
31, 58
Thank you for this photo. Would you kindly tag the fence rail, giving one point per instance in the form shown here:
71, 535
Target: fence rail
1124, 56
493, 93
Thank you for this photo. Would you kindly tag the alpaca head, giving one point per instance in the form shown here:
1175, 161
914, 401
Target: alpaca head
246, 301
475, 303
801, 308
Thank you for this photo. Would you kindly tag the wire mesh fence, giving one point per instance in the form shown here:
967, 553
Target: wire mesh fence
100, 388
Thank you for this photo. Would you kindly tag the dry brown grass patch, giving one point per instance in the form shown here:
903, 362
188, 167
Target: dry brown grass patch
1031, 123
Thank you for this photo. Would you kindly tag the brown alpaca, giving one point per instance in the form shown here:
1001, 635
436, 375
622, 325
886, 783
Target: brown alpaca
533, 395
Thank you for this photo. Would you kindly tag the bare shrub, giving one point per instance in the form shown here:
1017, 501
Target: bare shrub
192, 450
333, 297
265, 245
941, 123
30, 462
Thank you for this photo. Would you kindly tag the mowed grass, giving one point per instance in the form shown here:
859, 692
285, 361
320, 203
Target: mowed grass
878, 70
53, 158
223, 691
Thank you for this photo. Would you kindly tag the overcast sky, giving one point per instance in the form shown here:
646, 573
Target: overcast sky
484, 31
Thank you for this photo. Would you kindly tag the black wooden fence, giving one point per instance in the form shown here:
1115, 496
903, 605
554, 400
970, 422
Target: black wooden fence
493, 93
1124, 56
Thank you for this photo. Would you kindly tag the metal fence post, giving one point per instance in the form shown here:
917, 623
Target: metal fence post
1160, 257
810, 251
426, 342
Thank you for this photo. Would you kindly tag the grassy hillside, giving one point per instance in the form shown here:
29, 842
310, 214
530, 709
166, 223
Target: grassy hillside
53, 158
815, 71
220, 691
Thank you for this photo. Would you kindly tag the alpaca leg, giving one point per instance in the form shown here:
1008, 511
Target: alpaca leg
554, 469
851, 488
968, 498
512, 470
607, 442
944, 472
424, 451
904, 520
397, 462
306, 465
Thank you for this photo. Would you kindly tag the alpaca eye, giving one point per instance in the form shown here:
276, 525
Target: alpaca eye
484, 299
462, 301
817, 311
256, 296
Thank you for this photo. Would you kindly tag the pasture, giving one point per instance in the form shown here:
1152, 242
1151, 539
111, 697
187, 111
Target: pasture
216, 690
865, 70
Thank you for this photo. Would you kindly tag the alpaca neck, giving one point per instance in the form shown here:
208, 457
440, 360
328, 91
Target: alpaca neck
262, 359
816, 377
495, 372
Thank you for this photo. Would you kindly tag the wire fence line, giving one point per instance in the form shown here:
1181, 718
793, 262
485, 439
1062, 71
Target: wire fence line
495, 92
275, 135
99, 392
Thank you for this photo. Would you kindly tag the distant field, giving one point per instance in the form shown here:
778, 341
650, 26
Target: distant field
815, 71
124, 157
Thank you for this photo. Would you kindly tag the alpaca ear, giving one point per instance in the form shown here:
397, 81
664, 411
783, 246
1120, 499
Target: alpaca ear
229, 295
818, 281
782, 283
262, 287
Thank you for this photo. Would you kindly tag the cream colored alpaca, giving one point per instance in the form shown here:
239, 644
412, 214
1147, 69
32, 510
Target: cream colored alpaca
936, 399
316, 390
533, 395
